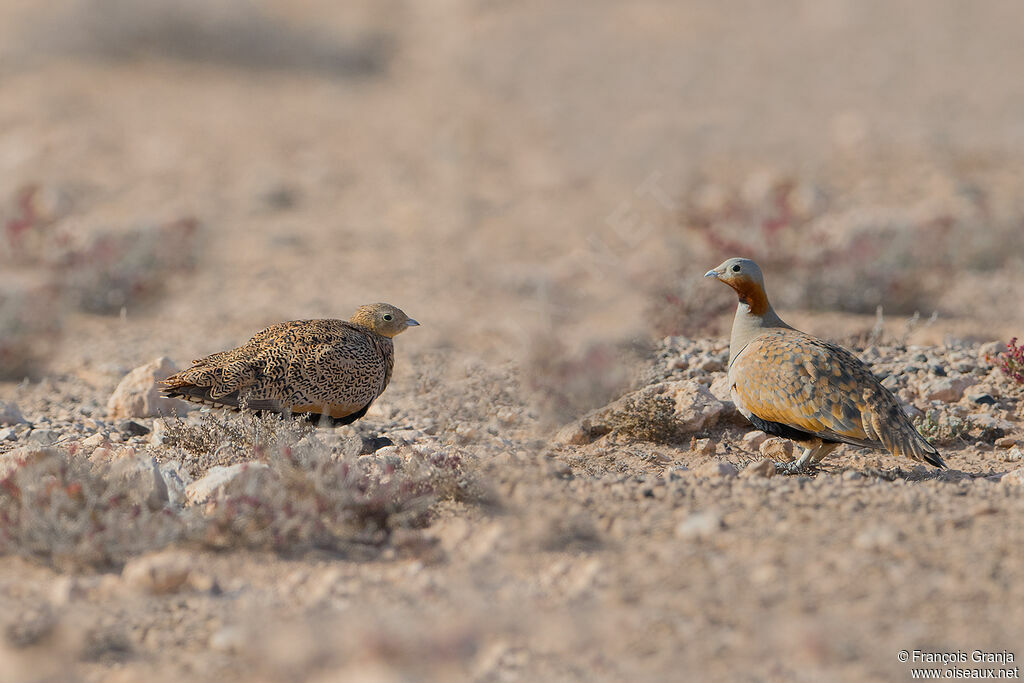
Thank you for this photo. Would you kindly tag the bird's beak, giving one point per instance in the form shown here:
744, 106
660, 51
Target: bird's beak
711, 273
411, 323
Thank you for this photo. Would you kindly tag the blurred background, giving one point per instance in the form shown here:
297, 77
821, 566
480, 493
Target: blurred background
525, 178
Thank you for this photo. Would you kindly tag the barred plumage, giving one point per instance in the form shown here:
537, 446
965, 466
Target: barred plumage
332, 368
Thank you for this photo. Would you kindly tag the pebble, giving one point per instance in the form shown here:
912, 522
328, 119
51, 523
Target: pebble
778, 449
158, 574
704, 446
43, 437
700, 525
1006, 442
8, 434
1014, 478
224, 480
95, 440
982, 399
947, 389
752, 441
132, 428
762, 468
717, 468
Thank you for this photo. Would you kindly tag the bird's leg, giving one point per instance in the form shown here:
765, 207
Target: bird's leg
811, 455
822, 450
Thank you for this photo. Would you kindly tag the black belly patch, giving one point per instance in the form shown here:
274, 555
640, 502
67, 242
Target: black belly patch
785, 431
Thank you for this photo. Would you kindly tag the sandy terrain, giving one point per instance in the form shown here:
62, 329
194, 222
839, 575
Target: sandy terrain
542, 186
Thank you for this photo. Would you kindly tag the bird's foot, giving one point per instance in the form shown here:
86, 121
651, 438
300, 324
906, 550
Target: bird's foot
794, 467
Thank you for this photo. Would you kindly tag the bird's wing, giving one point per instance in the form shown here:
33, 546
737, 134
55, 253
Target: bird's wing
820, 388
808, 384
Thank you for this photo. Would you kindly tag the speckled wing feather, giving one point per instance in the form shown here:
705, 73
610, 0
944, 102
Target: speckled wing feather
330, 367
793, 379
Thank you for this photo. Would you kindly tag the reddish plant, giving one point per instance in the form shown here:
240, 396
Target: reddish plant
1011, 361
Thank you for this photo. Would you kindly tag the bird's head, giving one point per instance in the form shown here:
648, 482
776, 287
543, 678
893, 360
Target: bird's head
744, 276
384, 319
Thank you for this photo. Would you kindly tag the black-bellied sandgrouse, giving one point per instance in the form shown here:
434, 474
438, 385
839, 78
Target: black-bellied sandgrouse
814, 392
324, 368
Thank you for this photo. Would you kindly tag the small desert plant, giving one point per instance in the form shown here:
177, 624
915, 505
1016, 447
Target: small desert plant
226, 438
646, 417
67, 513
941, 430
1011, 361
312, 500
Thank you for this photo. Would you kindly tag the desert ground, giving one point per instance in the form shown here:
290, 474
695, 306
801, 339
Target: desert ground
542, 185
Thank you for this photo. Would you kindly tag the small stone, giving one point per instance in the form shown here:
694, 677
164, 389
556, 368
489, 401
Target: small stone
142, 477
10, 414
466, 432
228, 640
700, 525
1014, 478
1006, 442
159, 432
777, 449
220, 481
43, 437
158, 574
852, 475
762, 468
138, 394
717, 468
947, 389
982, 399
176, 479
704, 446
8, 434
133, 428
753, 440
712, 365
1013, 455
97, 439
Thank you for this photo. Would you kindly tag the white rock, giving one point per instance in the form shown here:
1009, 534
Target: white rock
159, 432
1014, 478
143, 478
94, 441
243, 478
8, 434
699, 525
138, 394
947, 389
704, 446
43, 437
10, 414
159, 573
177, 480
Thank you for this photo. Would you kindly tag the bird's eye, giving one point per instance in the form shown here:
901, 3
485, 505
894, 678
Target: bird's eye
736, 268
387, 316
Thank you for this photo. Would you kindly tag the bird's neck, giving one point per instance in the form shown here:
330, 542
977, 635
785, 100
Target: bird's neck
749, 324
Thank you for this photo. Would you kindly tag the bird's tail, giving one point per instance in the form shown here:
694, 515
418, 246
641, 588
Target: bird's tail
914, 446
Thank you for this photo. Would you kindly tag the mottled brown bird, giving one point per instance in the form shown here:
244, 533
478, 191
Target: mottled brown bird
325, 368
814, 392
